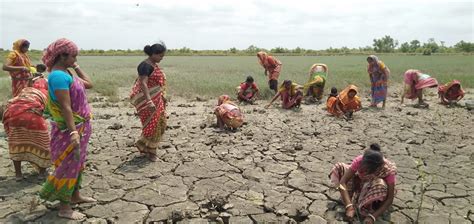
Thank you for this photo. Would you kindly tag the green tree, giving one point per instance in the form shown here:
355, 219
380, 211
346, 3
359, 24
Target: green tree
385, 44
405, 47
233, 50
432, 45
414, 45
463, 46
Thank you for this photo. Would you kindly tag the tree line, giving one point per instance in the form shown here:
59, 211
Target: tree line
385, 44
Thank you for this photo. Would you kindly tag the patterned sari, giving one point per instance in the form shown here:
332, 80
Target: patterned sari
445, 92
271, 64
418, 81
67, 175
27, 131
290, 97
317, 81
17, 58
366, 191
378, 79
153, 122
228, 112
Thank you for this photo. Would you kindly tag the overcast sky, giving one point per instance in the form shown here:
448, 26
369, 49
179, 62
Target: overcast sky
222, 24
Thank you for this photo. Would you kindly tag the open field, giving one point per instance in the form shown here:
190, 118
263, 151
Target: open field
274, 169
212, 76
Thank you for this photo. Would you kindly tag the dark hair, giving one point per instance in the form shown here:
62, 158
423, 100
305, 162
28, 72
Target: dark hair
40, 67
286, 82
372, 158
25, 44
333, 90
249, 79
155, 49
59, 56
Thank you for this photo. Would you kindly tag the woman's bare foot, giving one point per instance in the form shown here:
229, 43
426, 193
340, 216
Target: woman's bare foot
71, 214
152, 157
81, 199
19, 178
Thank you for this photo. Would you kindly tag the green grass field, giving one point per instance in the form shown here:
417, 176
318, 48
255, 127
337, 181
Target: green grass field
206, 76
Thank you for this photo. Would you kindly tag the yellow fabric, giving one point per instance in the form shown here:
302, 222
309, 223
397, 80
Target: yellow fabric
294, 87
12, 56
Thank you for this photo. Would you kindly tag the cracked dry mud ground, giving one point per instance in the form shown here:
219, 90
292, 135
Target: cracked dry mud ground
274, 170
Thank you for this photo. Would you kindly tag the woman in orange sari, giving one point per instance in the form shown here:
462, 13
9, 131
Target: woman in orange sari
272, 68
18, 64
148, 97
27, 131
228, 114
346, 103
450, 93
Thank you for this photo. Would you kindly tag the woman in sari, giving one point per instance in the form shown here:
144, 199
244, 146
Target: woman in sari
450, 93
367, 185
344, 104
379, 74
290, 94
148, 97
18, 64
70, 115
317, 79
415, 82
27, 131
228, 114
247, 91
272, 68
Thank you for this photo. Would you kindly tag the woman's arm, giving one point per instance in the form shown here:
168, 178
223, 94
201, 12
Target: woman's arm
64, 101
83, 76
350, 209
7, 66
273, 99
339, 110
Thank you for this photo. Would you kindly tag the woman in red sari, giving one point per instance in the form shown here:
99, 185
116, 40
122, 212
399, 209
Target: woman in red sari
18, 64
272, 68
148, 97
27, 131
291, 95
450, 93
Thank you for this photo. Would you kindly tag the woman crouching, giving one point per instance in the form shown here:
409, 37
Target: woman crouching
228, 114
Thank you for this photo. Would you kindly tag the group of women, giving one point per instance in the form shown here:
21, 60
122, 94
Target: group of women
366, 186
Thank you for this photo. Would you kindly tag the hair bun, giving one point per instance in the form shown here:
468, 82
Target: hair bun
375, 147
147, 49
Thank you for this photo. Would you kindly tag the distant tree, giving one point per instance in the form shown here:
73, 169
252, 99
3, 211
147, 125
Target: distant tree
405, 47
298, 50
385, 44
233, 50
463, 46
279, 50
432, 45
252, 49
414, 45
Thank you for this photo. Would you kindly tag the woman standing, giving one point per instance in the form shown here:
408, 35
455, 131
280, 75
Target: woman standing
27, 131
70, 115
379, 74
272, 68
148, 97
367, 185
18, 64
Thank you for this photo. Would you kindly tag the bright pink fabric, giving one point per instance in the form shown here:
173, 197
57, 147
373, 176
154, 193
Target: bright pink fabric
355, 166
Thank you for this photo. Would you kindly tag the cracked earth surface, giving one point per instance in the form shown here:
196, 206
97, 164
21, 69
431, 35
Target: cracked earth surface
273, 170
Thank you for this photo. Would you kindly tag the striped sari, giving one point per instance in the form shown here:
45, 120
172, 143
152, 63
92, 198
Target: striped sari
366, 191
153, 122
67, 175
378, 80
27, 131
20, 79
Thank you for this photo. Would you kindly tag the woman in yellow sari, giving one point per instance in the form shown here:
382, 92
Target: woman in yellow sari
314, 88
18, 64
346, 103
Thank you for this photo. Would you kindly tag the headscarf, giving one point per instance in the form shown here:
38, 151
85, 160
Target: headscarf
411, 76
222, 99
344, 94
60, 46
378, 66
315, 67
17, 52
445, 88
262, 57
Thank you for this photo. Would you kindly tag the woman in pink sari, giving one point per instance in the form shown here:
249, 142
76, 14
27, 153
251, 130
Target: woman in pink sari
18, 64
70, 115
367, 185
291, 95
415, 82
228, 114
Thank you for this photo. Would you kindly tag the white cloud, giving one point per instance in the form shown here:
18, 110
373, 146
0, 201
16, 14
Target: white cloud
214, 24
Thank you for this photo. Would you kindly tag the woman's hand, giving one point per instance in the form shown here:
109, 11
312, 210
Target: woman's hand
75, 139
152, 106
350, 212
368, 220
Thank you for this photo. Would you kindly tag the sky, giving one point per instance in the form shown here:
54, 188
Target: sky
223, 24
